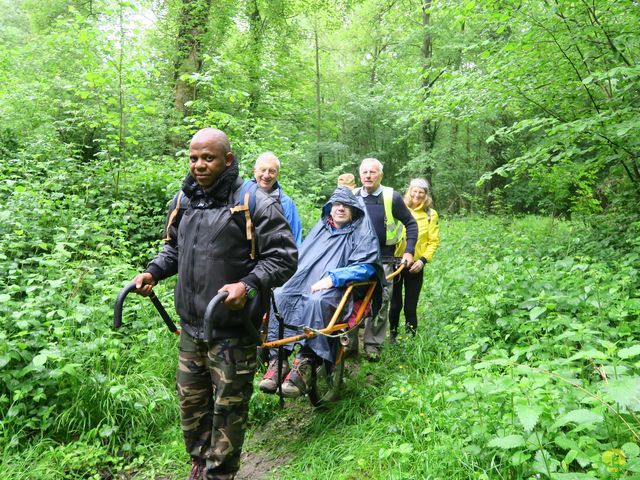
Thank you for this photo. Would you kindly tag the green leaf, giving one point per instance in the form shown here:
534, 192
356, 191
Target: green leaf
629, 352
510, 441
570, 456
536, 312
573, 476
581, 416
405, 448
528, 415
631, 449
384, 453
39, 360
108, 430
625, 391
519, 457
591, 354
4, 297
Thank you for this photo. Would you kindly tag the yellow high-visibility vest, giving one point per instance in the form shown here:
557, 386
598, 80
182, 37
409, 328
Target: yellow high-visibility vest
393, 228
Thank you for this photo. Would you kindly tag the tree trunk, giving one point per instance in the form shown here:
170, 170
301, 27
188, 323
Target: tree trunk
255, 49
318, 100
122, 121
428, 129
192, 20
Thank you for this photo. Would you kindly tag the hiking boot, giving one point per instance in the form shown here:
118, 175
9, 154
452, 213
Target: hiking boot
198, 467
298, 378
372, 353
269, 383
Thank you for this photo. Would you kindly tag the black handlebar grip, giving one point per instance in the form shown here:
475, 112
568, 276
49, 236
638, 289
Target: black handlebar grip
163, 313
208, 320
208, 313
117, 309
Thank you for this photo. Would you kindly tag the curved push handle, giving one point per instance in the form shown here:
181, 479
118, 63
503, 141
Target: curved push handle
208, 319
117, 309
208, 313
401, 266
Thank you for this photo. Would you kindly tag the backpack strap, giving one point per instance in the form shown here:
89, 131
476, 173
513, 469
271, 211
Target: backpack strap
172, 216
244, 207
248, 206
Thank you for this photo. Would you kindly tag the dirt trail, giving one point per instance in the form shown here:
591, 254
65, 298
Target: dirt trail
261, 455
258, 466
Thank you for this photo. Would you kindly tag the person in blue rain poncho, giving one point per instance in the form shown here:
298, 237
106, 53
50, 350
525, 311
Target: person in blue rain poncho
341, 248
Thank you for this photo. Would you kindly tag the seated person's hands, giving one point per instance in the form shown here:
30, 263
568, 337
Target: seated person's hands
322, 284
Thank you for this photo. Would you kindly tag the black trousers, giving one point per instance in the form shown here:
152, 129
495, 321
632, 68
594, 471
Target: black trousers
412, 283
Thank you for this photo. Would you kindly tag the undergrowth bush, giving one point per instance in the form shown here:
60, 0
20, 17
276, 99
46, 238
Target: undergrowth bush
526, 364
68, 244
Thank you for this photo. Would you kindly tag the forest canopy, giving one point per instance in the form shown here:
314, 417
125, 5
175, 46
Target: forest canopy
523, 106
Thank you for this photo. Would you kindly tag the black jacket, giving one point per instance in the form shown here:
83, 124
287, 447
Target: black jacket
208, 248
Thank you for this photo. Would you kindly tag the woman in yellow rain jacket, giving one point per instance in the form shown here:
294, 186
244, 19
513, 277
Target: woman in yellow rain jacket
419, 202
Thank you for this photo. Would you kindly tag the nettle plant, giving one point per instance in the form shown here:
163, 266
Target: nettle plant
551, 361
67, 247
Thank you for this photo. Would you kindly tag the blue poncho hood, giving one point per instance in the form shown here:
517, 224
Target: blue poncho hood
327, 248
343, 195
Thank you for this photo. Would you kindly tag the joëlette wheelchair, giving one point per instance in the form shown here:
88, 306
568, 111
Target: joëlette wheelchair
326, 378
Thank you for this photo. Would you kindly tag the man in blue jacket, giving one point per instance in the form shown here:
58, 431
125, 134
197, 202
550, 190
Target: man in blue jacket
266, 173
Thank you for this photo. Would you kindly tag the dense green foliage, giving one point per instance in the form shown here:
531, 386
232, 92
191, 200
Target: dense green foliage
540, 98
527, 364
528, 360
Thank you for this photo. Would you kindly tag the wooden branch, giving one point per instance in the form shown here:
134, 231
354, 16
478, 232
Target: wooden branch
577, 47
596, 21
566, 56
540, 106
435, 79
630, 175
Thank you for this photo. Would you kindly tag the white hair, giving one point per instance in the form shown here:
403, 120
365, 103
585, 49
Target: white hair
420, 183
267, 156
373, 160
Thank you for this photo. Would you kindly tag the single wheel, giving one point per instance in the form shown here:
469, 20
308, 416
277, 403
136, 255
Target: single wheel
326, 381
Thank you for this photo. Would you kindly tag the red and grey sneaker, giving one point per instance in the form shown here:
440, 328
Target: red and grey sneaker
298, 379
269, 384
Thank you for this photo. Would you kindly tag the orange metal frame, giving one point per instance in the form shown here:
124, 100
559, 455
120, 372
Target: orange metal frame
333, 326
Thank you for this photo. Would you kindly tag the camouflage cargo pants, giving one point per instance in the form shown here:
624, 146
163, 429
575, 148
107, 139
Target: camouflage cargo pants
214, 387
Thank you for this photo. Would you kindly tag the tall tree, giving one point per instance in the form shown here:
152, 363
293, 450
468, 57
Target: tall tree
316, 45
193, 21
255, 50
428, 128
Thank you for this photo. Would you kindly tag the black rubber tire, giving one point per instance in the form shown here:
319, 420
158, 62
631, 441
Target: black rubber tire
326, 382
